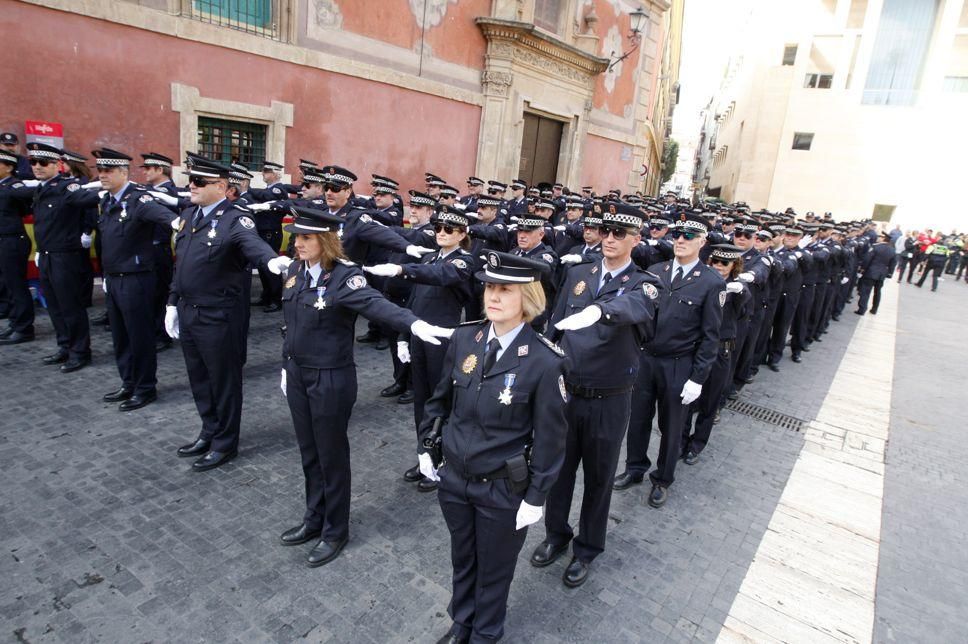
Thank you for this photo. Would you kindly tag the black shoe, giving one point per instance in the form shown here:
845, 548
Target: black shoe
137, 402
658, 496
406, 398
575, 574
733, 395
547, 553
747, 381
272, 308
426, 485
161, 345
197, 448
298, 535
382, 344
773, 367
212, 460
625, 480
16, 337
835, 318
55, 358
101, 320
393, 390
117, 396
859, 312
716, 419
806, 348
6, 333
690, 457
452, 637
796, 358
324, 552
413, 475
873, 311
75, 364
259, 302
367, 338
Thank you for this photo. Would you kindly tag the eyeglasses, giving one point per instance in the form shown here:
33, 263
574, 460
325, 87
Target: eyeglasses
443, 228
334, 187
199, 182
43, 163
718, 260
742, 234
618, 233
689, 236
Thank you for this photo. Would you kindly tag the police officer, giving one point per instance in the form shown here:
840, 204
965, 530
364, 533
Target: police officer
322, 296
158, 177
937, 256
756, 275
795, 262
500, 410
811, 272
518, 203
531, 230
15, 197
878, 265
215, 243
602, 362
9, 144
127, 219
676, 362
475, 189
384, 208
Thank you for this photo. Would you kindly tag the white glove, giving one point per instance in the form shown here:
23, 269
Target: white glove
561, 229
427, 467
571, 258
282, 383
798, 254
403, 352
734, 287
104, 284
266, 205
163, 198
101, 193
278, 264
31, 183
94, 185
176, 223
690, 392
845, 280
418, 251
527, 514
429, 333
747, 277
384, 270
584, 318
805, 241
171, 321
514, 218
37, 258
513, 227
85, 240
652, 242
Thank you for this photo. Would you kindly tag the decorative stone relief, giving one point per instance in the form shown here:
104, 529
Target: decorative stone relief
553, 67
325, 14
612, 49
429, 13
496, 83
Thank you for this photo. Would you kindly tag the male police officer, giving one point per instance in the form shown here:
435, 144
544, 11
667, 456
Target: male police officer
878, 265
675, 363
15, 197
158, 169
215, 243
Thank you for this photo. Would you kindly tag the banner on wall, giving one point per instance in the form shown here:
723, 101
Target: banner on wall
44, 132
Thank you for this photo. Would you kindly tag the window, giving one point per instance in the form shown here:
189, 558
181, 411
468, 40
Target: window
882, 212
900, 49
789, 54
547, 14
251, 16
855, 18
232, 141
818, 81
802, 140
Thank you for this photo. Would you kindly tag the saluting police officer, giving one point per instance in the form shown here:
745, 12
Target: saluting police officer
158, 173
601, 365
214, 244
676, 362
15, 198
531, 230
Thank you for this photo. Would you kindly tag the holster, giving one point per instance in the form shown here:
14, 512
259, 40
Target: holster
519, 477
434, 443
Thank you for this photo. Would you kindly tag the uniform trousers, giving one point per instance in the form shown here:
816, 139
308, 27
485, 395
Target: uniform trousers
271, 283
935, 269
596, 427
708, 403
129, 300
321, 401
484, 547
816, 310
212, 340
743, 356
401, 370
164, 265
786, 312
801, 321
62, 282
864, 293
659, 385
14, 252
762, 349
426, 365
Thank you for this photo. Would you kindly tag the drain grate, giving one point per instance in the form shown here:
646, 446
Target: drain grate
766, 415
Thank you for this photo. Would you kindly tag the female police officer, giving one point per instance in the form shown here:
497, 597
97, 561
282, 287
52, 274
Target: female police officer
500, 409
321, 297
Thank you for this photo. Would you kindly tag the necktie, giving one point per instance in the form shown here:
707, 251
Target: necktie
606, 280
677, 278
197, 217
490, 356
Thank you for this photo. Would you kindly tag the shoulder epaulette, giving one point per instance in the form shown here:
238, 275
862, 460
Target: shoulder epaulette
346, 262
473, 322
551, 345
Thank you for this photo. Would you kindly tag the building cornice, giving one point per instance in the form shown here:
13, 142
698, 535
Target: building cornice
526, 36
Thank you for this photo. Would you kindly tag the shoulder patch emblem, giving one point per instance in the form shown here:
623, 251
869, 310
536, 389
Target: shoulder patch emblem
551, 345
291, 282
74, 187
548, 257
459, 263
429, 232
650, 291
246, 222
561, 388
722, 298
145, 198
356, 282
276, 191
17, 185
365, 218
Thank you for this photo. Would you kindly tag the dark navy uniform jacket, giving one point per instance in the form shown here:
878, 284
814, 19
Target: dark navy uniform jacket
737, 306
162, 233
267, 221
126, 228
58, 214
15, 199
214, 254
441, 286
423, 235
755, 262
606, 354
819, 272
689, 318
494, 236
795, 263
480, 432
320, 320
880, 262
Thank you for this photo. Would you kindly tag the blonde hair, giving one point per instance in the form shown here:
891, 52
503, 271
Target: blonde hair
533, 300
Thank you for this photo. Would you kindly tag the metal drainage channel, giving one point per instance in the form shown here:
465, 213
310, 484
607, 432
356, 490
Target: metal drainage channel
765, 415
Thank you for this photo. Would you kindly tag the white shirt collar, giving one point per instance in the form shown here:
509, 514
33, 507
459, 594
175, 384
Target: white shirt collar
314, 272
686, 268
505, 340
209, 208
117, 195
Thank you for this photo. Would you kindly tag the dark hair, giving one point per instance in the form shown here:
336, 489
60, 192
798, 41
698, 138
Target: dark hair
79, 170
735, 269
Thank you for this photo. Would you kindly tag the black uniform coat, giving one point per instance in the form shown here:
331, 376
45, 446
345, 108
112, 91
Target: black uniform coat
880, 262
127, 229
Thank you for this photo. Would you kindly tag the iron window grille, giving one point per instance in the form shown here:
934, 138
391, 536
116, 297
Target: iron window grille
258, 17
232, 141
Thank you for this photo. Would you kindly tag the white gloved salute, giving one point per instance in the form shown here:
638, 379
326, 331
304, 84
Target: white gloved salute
747, 277
560, 229
418, 251
427, 467
265, 205
527, 514
690, 392
584, 318
278, 264
163, 198
734, 287
94, 185
429, 333
282, 383
384, 270
652, 242
104, 284
171, 321
570, 258
845, 280
85, 240
403, 351
31, 183
176, 223
37, 258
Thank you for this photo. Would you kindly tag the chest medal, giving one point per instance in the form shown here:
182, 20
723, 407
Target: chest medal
505, 396
320, 303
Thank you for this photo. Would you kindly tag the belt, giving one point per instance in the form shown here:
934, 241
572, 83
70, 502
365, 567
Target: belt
586, 392
128, 273
501, 473
655, 354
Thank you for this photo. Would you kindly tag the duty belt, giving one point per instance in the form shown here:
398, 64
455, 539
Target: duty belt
586, 392
500, 473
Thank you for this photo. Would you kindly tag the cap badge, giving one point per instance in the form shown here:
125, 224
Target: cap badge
470, 363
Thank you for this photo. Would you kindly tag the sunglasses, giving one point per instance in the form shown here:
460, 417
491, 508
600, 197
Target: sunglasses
657, 226
591, 227
43, 163
307, 185
688, 236
717, 260
618, 233
199, 182
450, 230
742, 234
334, 187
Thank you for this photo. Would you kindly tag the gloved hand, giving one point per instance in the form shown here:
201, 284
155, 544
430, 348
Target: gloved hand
85, 240
282, 383
798, 254
690, 392
561, 229
104, 284
734, 287
418, 251
265, 205
429, 333
570, 258
584, 318
171, 321
514, 218
384, 270
94, 185
176, 223
845, 280
163, 198
805, 241
31, 183
101, 193
427, 467
278, 264
37, 258
403, 352
513, 227
652, 242
747, 277
527, 514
